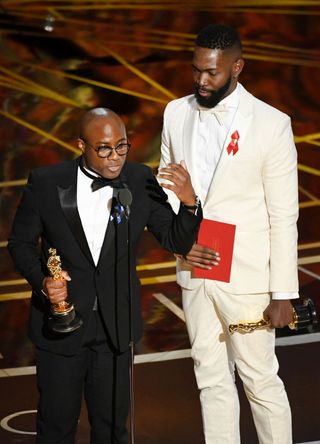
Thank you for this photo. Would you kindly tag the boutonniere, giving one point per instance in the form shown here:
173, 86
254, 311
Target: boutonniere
117, 213
233, 146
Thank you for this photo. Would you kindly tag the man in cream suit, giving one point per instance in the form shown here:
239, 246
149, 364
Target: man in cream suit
241, 157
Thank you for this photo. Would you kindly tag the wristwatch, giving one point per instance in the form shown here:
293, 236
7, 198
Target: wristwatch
193, 207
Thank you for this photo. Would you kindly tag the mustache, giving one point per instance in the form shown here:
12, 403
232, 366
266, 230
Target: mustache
198, 89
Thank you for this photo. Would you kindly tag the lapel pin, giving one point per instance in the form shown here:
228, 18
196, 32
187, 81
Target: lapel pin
233, 145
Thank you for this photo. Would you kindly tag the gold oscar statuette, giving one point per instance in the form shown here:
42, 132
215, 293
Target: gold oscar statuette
303, 316
63, 317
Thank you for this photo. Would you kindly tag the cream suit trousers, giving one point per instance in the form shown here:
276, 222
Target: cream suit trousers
215, 352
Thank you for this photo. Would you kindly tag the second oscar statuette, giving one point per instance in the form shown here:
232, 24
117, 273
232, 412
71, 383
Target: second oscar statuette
63, 317
304, 315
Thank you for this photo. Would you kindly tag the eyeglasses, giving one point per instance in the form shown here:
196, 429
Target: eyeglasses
105, 151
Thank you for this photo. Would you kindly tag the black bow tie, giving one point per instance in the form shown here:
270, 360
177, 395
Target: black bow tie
99, 181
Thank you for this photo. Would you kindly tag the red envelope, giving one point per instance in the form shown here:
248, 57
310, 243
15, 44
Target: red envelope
220, 237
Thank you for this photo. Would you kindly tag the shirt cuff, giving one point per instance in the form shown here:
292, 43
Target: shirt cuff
279, 295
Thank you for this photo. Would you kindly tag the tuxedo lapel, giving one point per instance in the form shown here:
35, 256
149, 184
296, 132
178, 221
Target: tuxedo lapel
68, 201
240, 124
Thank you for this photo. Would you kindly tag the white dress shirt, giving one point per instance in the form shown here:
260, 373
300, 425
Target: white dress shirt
94, 210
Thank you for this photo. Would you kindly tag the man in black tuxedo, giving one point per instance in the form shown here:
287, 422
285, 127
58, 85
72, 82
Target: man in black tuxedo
73, 208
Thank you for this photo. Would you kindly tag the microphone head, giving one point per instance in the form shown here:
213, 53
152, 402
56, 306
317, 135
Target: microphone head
125, 197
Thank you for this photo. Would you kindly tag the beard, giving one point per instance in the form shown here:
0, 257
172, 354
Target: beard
215, 96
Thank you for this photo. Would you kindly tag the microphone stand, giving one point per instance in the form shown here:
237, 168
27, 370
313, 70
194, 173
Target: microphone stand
125, 199
131, 343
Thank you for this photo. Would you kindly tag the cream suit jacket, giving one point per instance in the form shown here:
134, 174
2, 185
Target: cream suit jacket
256, 189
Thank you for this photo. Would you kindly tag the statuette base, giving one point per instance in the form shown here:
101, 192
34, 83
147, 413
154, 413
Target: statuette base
64, 322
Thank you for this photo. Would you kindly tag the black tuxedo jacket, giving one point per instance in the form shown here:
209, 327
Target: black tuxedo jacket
48, 210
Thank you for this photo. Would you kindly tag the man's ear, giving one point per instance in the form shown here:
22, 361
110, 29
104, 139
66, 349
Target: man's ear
81, 145
237, 67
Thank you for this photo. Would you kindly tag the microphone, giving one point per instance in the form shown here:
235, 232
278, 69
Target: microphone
125, 199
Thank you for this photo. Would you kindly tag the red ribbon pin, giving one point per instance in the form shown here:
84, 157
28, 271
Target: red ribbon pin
233, 145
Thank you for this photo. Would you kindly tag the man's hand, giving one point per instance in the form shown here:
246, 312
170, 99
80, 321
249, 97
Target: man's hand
202, 257
56, 290
181, 182
279, 313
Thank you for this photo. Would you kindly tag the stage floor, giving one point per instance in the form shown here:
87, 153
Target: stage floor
167, 406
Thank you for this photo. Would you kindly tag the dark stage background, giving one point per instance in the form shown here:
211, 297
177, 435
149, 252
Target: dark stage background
61, 57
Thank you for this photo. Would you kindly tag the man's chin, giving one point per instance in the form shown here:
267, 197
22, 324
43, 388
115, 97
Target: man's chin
206, 102
111, 175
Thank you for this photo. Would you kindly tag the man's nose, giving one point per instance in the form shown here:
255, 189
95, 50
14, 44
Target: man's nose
113, 154
203, 79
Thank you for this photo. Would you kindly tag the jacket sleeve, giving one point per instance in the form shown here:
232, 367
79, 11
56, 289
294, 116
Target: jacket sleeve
23, 243
281, 194
175, 232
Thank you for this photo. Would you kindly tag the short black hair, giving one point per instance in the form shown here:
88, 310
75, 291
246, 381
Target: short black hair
218, 36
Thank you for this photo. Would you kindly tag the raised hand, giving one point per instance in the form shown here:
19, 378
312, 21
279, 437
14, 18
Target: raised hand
180, 182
